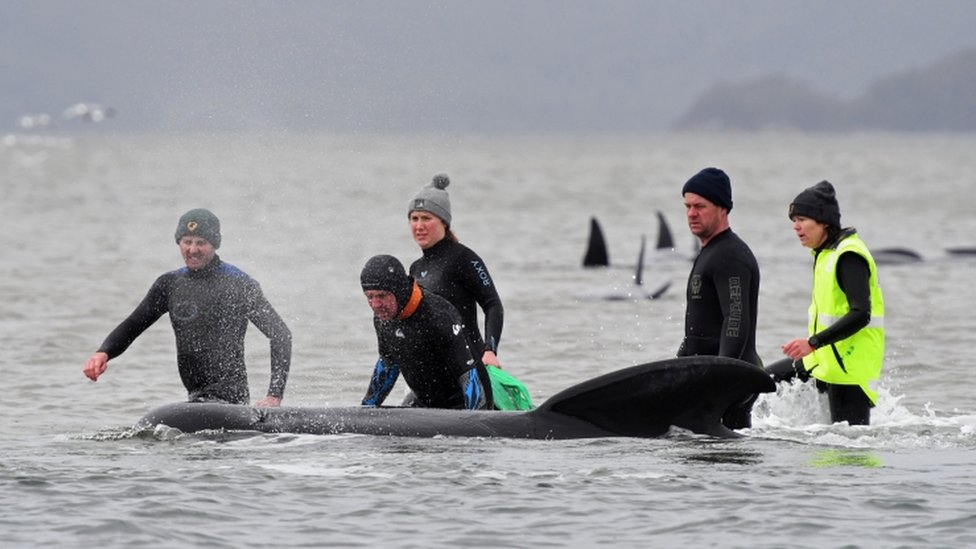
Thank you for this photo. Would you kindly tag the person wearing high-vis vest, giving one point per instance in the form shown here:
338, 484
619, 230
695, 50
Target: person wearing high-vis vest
844, 350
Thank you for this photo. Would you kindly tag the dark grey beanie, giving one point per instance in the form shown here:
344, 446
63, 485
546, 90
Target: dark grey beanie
199, 222
385, 272
713, 185
433, 198
819, 203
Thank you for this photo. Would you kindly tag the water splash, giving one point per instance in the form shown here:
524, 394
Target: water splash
800, 413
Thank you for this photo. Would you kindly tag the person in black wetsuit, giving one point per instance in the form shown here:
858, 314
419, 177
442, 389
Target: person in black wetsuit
210, 304
454, 271
844, 350
723, 286
419, 334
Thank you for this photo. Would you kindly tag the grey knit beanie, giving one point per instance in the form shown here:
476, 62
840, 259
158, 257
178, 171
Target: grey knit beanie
199, 222
433, 198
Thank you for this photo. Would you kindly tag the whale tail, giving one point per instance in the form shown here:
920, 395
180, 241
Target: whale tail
646, 400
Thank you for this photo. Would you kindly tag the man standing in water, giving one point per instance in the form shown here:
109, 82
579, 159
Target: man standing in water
723, 286
210, 304
420, 335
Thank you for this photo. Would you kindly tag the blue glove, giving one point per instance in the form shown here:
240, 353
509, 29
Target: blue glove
382, 382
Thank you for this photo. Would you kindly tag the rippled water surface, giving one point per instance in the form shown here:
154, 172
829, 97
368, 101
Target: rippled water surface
88, 224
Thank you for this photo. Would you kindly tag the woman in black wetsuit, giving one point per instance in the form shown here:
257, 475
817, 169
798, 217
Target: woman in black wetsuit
454, 271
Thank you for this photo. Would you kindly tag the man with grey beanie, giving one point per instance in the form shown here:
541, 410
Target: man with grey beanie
723, 287
210, 304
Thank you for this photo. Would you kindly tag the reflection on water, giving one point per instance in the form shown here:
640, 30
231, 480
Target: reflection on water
840, 457
733, 457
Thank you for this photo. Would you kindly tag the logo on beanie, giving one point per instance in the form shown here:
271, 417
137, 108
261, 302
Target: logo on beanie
418, 204
192, 226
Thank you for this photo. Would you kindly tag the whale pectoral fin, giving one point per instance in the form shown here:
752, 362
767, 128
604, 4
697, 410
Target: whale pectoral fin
646, 400
639, 273
659, 291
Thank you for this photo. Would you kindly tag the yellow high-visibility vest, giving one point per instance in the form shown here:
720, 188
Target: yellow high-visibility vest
855, 360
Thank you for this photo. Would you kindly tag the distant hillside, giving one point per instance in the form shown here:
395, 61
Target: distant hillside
941, 97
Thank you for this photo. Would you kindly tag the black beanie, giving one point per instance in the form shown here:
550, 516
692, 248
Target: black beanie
819, 203
199, 222
713, 185
385, 272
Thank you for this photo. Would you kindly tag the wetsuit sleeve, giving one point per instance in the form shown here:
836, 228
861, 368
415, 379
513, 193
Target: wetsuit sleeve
732, 286
475, 397
264, 316
478, 281
854, 278
384, 377
464, 365
153, 306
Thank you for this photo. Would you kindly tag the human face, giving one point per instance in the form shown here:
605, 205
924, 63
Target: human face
811, 232
427, 229
382, 302
197, 252
705, 219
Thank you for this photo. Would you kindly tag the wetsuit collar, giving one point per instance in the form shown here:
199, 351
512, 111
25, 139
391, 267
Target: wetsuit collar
832, 243
411, 307
721, 234
441, 244
208, 269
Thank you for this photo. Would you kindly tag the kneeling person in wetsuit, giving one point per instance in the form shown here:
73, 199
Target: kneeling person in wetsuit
420, 335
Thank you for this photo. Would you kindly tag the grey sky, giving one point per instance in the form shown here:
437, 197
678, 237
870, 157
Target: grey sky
467, 66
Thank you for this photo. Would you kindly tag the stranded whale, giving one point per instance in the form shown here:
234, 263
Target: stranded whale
640, 401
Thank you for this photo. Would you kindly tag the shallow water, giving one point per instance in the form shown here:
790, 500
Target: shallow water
88, 224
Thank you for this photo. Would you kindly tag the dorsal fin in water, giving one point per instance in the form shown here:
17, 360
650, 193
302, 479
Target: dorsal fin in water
665, 241
596, 247
639, 274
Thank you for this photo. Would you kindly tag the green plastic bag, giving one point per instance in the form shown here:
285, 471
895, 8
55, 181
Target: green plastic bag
509, 393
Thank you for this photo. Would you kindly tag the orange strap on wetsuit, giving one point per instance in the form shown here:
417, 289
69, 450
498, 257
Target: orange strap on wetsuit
411, 307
